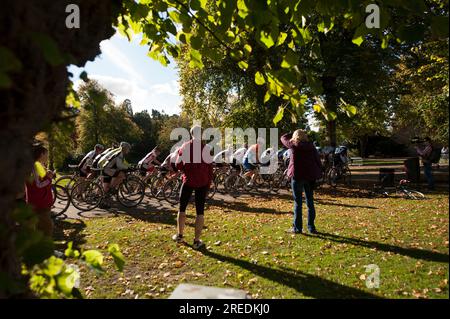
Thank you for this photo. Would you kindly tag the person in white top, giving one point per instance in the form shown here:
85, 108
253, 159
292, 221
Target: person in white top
86, 162
224, 157
113, 170
146, 164
169, 161
268, 155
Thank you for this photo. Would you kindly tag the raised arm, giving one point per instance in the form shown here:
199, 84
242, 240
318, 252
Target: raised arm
286, 140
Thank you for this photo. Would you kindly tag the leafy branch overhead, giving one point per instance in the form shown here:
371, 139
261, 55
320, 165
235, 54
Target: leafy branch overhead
286, 27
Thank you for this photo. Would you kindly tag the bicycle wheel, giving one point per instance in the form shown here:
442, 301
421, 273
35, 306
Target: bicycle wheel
131, 191
347, 177
171, 191
61, 201
219, 182
64, 182
157, 186
86, 195
412, 194
233, 184
333, 177
148, 182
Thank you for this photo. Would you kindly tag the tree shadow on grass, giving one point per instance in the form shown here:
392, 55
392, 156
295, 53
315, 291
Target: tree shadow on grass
149, 212
328, 203
307, 284
409, 252
68, 230
244, 207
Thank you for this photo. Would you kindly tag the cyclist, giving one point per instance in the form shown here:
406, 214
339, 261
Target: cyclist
237, 158
168, 164
341, 155
251, 159
86, 163
268, 155
101, 155
224, 157
114, 167
146, 164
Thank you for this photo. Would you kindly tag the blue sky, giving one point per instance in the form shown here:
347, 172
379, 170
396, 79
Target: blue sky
125, 69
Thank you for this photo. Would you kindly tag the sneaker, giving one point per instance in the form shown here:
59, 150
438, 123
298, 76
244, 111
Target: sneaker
198, 244
313, 231
178, 238
292, 231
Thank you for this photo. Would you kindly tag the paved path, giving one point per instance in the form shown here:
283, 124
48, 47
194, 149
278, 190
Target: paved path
361, 175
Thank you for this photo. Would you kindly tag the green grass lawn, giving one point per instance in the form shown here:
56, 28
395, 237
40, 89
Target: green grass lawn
248, 249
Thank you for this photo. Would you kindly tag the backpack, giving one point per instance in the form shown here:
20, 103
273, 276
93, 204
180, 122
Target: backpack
435, 155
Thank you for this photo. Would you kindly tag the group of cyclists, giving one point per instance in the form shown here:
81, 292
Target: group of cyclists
245, 160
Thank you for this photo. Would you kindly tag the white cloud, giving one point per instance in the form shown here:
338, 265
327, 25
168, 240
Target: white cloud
120, 60
171, 88
161, 96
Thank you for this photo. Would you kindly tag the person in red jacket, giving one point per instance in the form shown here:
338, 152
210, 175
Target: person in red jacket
195, 161
38, 191
304, 169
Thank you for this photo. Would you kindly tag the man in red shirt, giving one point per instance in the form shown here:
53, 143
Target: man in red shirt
195, 161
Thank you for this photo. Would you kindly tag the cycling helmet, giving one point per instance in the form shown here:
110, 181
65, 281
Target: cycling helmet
125, 145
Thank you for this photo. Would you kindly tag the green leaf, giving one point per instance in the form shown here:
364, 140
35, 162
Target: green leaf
175, 16
359, 36
53, 266
119, 259
49, 48
84, 76
358, 40
305, 35
196, 59
351, 110
281, 38
279, 116
248, 49
266, 39
196, 42
8, 61
267, 96
68, 280
243, 65
70, 252
290, 59
93, 258
259, 78
242, 9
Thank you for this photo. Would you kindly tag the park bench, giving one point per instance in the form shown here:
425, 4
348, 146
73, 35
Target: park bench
356, 161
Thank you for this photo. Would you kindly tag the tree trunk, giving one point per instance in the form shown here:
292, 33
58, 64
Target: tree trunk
330, 92
363, 140
37, 93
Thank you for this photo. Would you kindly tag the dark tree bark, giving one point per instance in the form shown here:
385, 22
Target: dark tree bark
330, 92
363, 140
38, 91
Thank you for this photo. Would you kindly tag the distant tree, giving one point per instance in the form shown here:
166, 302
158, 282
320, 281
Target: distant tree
423, 77
127, 107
